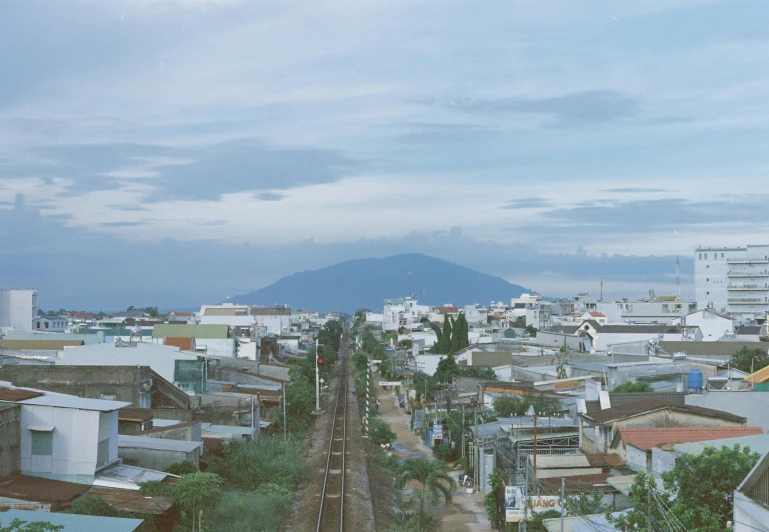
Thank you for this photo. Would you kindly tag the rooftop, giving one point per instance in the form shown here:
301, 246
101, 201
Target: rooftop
184, 344
207, 331
651, 405
157, 444
74, 522
40, 489
40, 345
648, 438
131, 500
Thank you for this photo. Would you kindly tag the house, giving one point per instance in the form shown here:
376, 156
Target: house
179, 317
598, 317
635, 445
598, 428
271, 320
138, 385
63, 434
131, 420
73, 522
713, 325
50, 324
185, 369
157, 453
727, 379
211, 340
751, 500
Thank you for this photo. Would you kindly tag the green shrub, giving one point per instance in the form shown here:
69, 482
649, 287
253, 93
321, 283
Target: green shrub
182, 468
245, 511
247, 465
380, 432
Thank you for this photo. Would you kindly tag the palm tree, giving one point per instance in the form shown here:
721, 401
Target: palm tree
432, 475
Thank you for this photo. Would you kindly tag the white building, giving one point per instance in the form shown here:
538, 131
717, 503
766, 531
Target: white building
655, 309
63, 434
476, 315
270, 320
18, 308
733, 281
167, 361
50, 324
712, 324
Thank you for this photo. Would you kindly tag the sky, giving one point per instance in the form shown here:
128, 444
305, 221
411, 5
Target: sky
176, 152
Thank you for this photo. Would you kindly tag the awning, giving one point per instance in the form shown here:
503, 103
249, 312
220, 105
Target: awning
41, 428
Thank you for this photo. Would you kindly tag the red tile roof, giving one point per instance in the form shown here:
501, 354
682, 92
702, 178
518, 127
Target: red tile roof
185, 344
647, 439
577, 483
597, 314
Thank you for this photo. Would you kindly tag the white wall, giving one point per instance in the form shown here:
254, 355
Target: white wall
160, 358
75, 439
711, 324
18, 308
748, 515
752, 405
428, 363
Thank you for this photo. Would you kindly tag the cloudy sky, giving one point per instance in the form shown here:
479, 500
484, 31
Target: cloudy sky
172, 152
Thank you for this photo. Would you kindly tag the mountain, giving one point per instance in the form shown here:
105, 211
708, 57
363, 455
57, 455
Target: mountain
366, 283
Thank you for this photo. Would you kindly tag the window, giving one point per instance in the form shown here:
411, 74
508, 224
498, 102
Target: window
722, 255
42, 443
700, 257
706, 256
46, 325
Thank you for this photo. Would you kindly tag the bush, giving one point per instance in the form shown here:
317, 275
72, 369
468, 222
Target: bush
182, 468
92, 505
247, 465
381, 433
630, 387
239, 511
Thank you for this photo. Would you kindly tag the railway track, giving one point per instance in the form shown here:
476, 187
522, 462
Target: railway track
331, 509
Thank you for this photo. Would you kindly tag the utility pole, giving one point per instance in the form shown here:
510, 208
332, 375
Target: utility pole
463, 431
648, 505
526, 499
283, 389
258, 417
563, 500
317, 379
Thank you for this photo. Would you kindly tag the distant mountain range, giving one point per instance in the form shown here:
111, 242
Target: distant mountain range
366, 283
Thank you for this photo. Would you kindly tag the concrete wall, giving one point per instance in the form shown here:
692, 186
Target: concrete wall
556, 340
10, 419
736, 403
93, 382
183, 433
662, 461
636, 458
749, 516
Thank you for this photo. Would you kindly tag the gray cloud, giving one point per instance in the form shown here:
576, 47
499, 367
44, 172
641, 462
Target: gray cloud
646, 216
588, 107
633, 190
527, 203
198, 174
269, 196
120, 224
432, 132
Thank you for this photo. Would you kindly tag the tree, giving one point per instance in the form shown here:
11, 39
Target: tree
17, 525
530, 331
630, 387
446, 370
701, 489
381, 433
93, 505
515, 407
443, 334
749, 360
196, 492
494, 501
433, 476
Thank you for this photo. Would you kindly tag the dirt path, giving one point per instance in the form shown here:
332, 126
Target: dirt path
466, 511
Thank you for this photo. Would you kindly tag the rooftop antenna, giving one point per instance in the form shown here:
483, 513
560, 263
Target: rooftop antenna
678, 277
601, 290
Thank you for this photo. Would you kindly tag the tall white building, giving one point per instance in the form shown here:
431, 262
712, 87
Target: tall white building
734, 281
18, 308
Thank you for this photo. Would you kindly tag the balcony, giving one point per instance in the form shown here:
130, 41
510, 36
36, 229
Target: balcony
751, 287
756, 260
746, 301
738, 273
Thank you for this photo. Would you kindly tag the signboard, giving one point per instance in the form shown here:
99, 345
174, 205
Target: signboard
514, 504
390, 383
437, 431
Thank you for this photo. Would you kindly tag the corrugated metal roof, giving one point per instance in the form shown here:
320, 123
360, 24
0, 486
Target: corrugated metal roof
158, 444
74, 522
131, 500
18, 394
759, 376
646, 439
558, 473
40, 489
561, 461
180, 330
758, 443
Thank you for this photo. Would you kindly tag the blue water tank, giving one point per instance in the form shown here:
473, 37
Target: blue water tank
695, 381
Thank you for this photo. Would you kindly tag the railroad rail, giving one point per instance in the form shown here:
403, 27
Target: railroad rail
331, 509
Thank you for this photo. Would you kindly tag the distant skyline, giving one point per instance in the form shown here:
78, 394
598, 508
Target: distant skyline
174, 152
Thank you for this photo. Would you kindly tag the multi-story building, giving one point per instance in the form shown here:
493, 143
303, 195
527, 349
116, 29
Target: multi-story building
18, 308
733, 280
